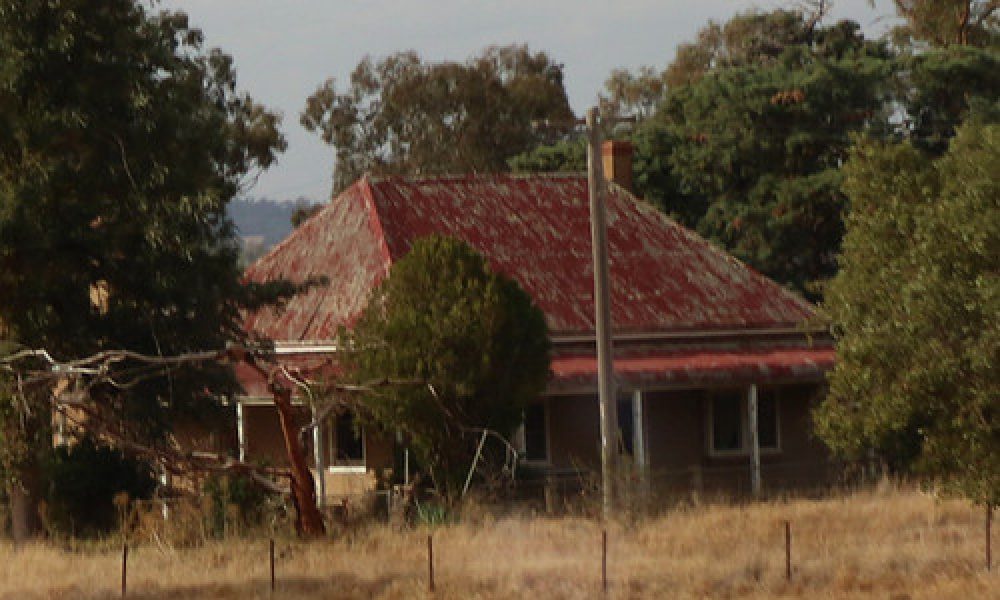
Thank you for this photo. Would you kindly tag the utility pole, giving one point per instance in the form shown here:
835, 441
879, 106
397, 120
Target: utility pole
602, 301
602, 313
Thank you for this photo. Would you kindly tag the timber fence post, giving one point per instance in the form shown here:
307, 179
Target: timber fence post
124, 569
604, 560
989, 536
271, 561
788, 550
430, 562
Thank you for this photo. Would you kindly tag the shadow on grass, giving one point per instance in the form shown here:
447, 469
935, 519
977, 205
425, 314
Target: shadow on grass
330, 586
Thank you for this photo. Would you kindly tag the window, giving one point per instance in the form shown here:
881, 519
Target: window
347, 445
767, 419
729, 421
536, 436
626, 427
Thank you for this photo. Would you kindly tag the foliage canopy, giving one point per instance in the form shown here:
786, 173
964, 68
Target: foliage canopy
915, 308
122, 139
747, 129
763, 143
125, 141
471, 343
653, 177
939, 88
943, 23
750, 38
401, 115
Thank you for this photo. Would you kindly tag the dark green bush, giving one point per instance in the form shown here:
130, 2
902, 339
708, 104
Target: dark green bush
235, 502
83, 482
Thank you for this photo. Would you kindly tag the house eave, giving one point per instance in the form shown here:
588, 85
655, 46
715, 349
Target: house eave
693, 335
285, 347
306, 347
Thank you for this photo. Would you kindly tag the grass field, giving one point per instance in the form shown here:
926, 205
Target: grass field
887, 544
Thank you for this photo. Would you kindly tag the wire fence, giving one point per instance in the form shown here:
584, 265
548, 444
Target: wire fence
785, 542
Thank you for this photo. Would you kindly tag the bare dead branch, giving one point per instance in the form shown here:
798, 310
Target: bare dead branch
175, 460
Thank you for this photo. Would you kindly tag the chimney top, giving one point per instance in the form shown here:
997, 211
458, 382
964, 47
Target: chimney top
616, 156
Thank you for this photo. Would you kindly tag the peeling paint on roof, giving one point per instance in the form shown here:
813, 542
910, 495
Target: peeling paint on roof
533, 228
344, 243
709, 365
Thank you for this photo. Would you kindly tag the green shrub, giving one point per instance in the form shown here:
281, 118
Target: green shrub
433, 514
83, 481
235, 502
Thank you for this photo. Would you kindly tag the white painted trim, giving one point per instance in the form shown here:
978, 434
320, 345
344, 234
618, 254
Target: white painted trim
265, 401
241, 436
319, 459
283, 348
755, 482
639, 449
330, 346
347, 469
330, 447
406, 466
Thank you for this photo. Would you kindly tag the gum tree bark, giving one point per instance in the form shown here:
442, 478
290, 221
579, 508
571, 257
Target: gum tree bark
308, 520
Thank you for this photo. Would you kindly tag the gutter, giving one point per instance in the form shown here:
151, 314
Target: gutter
570, 338
330, 347
281, 348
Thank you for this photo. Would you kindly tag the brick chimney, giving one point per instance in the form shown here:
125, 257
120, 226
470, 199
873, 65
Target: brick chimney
617, 159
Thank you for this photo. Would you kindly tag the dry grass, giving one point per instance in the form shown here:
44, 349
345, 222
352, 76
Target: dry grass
885, 544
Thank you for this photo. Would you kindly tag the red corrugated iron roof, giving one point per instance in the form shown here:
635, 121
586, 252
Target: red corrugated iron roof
343, 242
535, 229
701, 366
634, 367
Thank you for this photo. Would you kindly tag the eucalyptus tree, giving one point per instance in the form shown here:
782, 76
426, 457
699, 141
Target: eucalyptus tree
914, 309
402, 115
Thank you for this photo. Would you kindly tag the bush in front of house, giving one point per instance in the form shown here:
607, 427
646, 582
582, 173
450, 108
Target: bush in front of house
83, 481
460, 347
235, 503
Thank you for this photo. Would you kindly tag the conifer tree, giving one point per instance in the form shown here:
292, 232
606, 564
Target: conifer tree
122, 139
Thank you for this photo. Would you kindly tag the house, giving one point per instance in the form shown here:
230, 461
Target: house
696, 332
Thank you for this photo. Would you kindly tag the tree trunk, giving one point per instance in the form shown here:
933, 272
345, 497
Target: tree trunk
25, 499
27, 431
308, 520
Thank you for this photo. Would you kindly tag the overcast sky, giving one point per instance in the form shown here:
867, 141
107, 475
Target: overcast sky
283, 49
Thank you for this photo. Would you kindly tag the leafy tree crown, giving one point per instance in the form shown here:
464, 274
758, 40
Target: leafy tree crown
467, 344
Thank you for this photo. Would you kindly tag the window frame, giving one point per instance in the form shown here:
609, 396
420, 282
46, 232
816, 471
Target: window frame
344, 466
745, 444
625, 405
521, 437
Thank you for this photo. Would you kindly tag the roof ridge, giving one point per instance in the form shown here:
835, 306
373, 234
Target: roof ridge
377, 179
693, 236
368, 195
290, 238
533, 227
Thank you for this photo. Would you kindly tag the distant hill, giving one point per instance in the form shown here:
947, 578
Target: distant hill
262, 222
